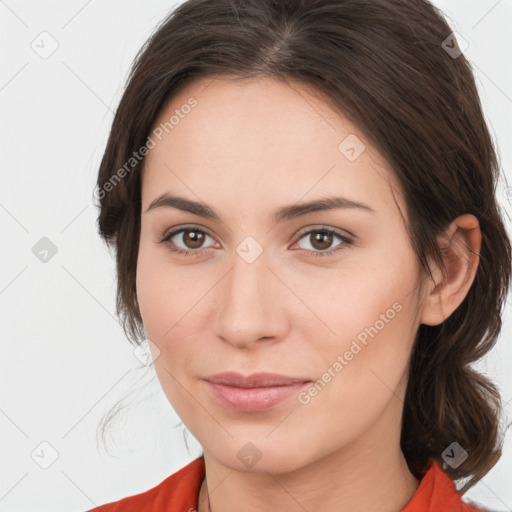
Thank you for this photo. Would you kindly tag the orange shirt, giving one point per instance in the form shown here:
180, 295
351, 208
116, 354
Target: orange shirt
179, 492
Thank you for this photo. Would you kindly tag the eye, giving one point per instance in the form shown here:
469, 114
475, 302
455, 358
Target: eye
322, 238
191, 240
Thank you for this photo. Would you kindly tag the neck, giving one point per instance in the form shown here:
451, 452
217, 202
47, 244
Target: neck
369, 474
388, 491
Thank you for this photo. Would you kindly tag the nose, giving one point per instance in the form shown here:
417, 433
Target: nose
251, 304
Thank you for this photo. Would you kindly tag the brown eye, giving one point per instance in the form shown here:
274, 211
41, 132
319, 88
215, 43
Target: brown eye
321, 241
186, 241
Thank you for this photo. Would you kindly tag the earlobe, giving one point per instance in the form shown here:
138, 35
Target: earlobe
460, 247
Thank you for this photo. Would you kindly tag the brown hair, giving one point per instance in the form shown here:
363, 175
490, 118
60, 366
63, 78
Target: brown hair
386, 66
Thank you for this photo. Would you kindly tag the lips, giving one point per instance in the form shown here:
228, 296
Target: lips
255, 380
253, 393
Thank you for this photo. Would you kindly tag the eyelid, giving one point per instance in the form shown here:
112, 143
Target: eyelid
185, 227
322, 227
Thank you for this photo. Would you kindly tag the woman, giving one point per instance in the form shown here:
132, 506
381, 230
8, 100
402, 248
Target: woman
301, 200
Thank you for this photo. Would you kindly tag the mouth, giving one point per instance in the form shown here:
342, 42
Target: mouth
253, 393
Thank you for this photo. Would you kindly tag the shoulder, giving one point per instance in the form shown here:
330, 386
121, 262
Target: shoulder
437, 493
178, 491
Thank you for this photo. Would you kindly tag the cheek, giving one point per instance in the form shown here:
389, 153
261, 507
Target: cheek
163, 303
162, 292
160, 300
372, 288
359, 369
151, 296
371, 315
169, 300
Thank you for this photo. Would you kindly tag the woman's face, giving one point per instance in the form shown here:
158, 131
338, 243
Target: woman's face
258, 292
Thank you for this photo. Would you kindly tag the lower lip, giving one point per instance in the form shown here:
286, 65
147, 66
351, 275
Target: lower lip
253, 399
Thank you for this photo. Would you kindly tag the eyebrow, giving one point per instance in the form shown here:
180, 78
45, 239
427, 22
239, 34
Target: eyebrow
281, 214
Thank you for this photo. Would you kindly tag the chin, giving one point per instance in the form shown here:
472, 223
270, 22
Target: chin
262, 456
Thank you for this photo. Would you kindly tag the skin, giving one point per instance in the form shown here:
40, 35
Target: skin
246, 149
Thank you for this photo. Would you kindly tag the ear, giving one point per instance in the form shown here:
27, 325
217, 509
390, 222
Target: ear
460, 246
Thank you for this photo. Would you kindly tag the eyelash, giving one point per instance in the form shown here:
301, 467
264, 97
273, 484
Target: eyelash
198, 252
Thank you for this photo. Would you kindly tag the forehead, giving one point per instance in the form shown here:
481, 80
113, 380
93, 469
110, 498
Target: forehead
261, 140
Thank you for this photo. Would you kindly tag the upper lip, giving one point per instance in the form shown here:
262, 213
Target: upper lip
255, 380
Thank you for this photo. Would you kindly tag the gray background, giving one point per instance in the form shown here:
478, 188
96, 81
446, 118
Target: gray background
64, 359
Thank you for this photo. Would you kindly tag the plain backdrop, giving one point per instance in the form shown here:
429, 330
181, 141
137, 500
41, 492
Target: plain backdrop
64, 358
